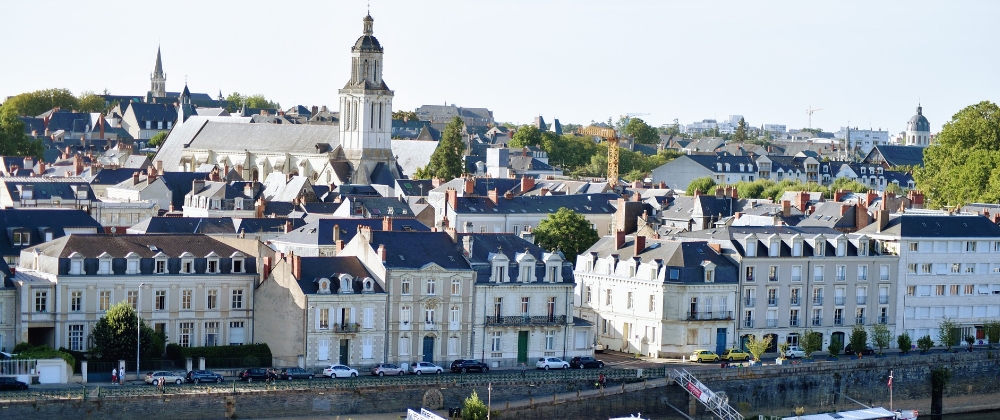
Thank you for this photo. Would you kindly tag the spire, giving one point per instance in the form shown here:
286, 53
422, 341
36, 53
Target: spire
920, 109
158, 69
158, 79
368, 24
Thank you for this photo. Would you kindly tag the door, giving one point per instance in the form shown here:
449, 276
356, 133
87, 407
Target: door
720, 340
429, 349
625, 338
522, 346
345, 348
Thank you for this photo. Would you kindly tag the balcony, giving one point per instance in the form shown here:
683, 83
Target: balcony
772, 323
796, 278
709, 315
772, 301
883, 299
747, 323
841, 278
772, 278
839, 300
817, 300
862, 300
818, 278
794, 301
859, 320
838, 321
793, 322
884, 277
749, 301
817, 322
750, 279
883, 320
346, 328
525, 321
430, 325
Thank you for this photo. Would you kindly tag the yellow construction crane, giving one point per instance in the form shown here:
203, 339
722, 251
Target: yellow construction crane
609, 135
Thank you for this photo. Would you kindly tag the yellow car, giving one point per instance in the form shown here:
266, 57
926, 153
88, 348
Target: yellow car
735, 355
704, 356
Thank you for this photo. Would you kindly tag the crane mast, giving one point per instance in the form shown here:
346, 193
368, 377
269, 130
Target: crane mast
609, 135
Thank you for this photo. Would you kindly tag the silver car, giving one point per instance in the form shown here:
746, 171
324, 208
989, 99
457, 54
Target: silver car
383, 369
425, 367
171, 377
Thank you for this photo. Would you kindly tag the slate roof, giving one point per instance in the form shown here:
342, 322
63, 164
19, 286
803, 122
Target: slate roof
113, 176
320, 232
580, 203
417, 249
77, 122
46, 188
118, 246
527, 163
153, 112
709, 162
411, 154
39, 221
279, 188
486, 245
686, 257
414, 187
207, 225
898, 155
183, 135
382, 206
33, 124
908, 225
266, 224
827, 214
785, 233
315, 268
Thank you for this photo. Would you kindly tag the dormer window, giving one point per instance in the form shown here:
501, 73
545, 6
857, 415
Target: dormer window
526, 266
709, 269
187, 263
863, 246
238, 266
238, 203
368, 286
797, 246
553, 267
132, 263
104, 263
841, 246
751, 242
22, 237
499, 263
774, 248
346, 284
212, 263
324, 286
160, 263
76, 263
819, 246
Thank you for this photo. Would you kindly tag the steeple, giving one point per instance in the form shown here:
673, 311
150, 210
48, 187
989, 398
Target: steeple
368, 25
158, 80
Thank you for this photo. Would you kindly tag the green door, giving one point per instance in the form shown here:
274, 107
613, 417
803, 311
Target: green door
522, 347
345, 346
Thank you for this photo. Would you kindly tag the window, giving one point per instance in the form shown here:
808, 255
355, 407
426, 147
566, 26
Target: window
368, 320
456, 287
367, 343
431, 287
772, 273
211, 333
551, 308
187, 266
925, 268
607, 297
524, 306
939, 290
587, 294
213, 300
132, 266
495, 344
186, 299
133, 298
104, 300
185, 329
160, 300
236, 333
862, 272
841, 272
968, 289
452, 341
818, 273
970, 269
161, 266
429, 316
404, 346
75, 301
750, 276
498, 307
953, 290
455, 317
404, 315
911, 268
550, 340
883, 272
652, 303
324, 318
970, 246
76, 337
911, 290
237, 299
104, 266
629, 304
213, 266
405, 286
797, 273
956, 268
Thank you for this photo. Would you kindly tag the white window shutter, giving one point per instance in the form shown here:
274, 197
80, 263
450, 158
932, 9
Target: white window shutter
369, 317
352, 316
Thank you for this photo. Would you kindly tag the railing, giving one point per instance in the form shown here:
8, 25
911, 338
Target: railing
772, 301
793, 301
862, 300
796, 278
519, 320
18, 366
859, 320
839, 300
772, 323
838, 321
346, 328
817, 322
772, 278
883, 320
817, 300
883, 299
793, 322
430, 325
749, 301
709, 315
884, 278
841, 278
747, 323
749, 279
818, 278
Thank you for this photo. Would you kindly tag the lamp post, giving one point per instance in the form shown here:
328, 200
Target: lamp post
138, 330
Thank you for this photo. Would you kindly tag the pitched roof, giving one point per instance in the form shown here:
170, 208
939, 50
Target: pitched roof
487, 245
40, 221
145, 245
898, 155
687, 257
417, 249
909, 225
580, 203
315, 268
205, 225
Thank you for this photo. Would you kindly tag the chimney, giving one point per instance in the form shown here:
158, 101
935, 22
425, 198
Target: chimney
619, 239
719, 192
508, 195
882, 218
387, 224
288, 228
78, 164
470, 184
41, 168
812, 209
151, 174
159, 167
197, 185
870, 197
697, 193
66, 153
843, 209
640, 244
838, 196
444, 222
452, 233
527, 183
543, 192
315, 109
135, 178
29, 162
452, 197
336, 233
803, 200
663, 185
735, 194
436, 182
267, 267
861, 218
996, 220
715, 247
786, 208
467, 242
296, 266
340, 245
736, 216
381, 252
916, 199
492, 194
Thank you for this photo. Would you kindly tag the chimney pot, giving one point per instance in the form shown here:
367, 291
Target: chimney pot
381, 252
527, 183
640, 244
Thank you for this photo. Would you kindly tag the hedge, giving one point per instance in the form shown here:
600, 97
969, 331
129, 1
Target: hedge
260, 351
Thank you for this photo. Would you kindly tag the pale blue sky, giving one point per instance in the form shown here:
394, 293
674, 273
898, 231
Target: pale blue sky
860, 61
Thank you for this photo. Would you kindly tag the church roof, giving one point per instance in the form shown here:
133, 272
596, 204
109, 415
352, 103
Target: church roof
918, 122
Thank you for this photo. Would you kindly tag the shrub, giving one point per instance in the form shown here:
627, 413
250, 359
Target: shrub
42, 352
925, 343
904, 342
835, 346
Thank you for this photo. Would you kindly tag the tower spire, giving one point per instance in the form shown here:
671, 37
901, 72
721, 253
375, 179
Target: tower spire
158, 80
368, 24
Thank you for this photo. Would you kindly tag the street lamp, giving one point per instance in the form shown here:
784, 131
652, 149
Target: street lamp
138, 331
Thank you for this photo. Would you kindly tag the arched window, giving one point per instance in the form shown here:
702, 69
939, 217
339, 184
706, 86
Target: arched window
371, 117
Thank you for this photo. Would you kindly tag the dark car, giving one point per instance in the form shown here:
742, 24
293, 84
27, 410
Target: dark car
585, 362
199, 376
252, 374
868, 350
295, 373
9, 384
467, 365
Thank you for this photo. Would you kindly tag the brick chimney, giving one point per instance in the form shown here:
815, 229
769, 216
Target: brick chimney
697, 193
78, 164
640, 244
527, 183
151, 174
882, 218
735, 194
452, 234
41, 168
266, 267
870, 197
543, 192
720, 192
470, 185
296, 266
135, 178
288, 227
508, 195
860, 216
838, 196
451, 196
916, 199
843, 209
715, 247
619, 239
996, 219
786, 208
387, 224
803, 200
492, 194
381, 252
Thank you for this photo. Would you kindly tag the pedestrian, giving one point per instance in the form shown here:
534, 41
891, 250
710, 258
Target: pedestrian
522, 370
114, 376
160, 383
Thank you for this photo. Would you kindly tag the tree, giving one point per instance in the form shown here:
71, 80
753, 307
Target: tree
859, 339
474, 409
566, 231
703, 185
904, 342
992, 330
157, 139
404, 115
948, 332
961, 166
741, 135
569, 151
115, 335
39, 101
757, 346
894, 188
811, 341
836, 345
235, 102
783, 349
881, 336
940, 376
525, 136
641, 132
13, 140
925, 343
446, 161
89, 102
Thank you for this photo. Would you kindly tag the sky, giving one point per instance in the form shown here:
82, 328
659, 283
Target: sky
861, 63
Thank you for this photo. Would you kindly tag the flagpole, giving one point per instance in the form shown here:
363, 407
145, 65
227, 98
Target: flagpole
890, 390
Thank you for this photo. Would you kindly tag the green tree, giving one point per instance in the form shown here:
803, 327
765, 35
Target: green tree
566, 231
474, 408
948, 332
157, 139
836, 345
757, 346
894, 188
13, 140
741, 135
89, 102
115, 335
881, 336
39, 101
925, 343
526, 136
963, 164
859, 339
404, 115
904, 342
259, 101
992, 330
703, 185
641, 132
569, 151
940, 376
446, 161
811, 342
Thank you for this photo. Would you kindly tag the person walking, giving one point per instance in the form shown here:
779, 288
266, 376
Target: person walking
114, 376
523, 366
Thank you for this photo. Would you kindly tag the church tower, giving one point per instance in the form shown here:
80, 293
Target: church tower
918, 130
158, 80
366, 103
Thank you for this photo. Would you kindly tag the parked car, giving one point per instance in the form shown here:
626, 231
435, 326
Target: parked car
551, 363
339, 371
867, 350
425, 367
467, 365
295, 373
175, 377
254, 374
599, 348
733, 355
795, 351
199, 376
10, 384
383, 369
585, 362
704, 356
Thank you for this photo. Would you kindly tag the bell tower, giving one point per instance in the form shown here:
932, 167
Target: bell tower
158, 80
366, 101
